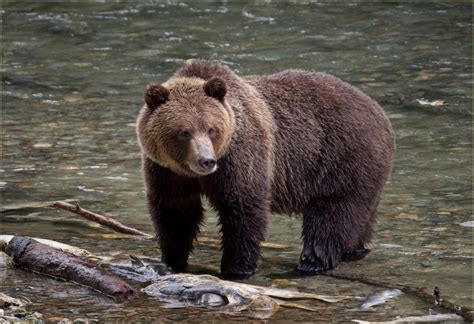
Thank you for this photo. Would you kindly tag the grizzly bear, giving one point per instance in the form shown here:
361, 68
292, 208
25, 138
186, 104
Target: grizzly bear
294, 142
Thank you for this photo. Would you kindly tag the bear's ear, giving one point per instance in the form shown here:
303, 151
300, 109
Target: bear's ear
216, 88
155, 95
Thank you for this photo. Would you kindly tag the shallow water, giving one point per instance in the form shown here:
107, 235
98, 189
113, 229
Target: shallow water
73, 76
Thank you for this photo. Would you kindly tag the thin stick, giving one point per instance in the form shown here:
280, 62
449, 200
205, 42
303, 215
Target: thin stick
121, 228
212, 241
100, 219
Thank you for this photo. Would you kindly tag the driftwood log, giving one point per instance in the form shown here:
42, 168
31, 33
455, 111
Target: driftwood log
40, 258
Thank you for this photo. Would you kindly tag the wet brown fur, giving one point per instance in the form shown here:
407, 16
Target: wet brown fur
293, 142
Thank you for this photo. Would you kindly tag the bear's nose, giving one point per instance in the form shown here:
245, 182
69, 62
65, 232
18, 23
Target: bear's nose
207, 163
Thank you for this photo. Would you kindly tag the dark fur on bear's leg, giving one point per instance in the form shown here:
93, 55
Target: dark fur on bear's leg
330, 228
243, 228
362, 249
175, 207
177, 227
243, 205
242, 233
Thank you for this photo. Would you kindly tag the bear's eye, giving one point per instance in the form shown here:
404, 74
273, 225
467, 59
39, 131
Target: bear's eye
211, 132
184, 134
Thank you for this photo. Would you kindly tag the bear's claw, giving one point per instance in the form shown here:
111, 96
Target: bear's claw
314, 260
237, 275
307, 268
175, 266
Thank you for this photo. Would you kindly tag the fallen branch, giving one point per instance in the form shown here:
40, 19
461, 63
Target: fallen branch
121, 228
100, 219
212, 241
40, 258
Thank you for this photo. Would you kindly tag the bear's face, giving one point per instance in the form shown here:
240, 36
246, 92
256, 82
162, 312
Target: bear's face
186, 125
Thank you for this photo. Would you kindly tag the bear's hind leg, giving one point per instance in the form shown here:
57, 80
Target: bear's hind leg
333, 228
355, 255
362, 249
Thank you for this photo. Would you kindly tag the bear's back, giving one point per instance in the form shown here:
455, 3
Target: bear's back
322, 126
307, 90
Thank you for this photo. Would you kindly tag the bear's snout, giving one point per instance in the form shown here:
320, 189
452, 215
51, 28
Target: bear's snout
204, 166
207, 163
202, 159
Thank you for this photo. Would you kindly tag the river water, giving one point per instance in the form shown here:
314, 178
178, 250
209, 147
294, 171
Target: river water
72, 82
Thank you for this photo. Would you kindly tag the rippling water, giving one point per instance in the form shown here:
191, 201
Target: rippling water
73, 76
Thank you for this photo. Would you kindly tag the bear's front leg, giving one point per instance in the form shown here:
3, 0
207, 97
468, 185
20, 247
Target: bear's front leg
177, 221
176, 211
243, 225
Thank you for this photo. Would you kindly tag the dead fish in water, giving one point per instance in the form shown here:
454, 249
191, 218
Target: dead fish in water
184, 290
419, 319
435, 103
378, 298
139, 271
189, 290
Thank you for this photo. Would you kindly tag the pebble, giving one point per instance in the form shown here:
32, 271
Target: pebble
435, 103
280, 282
396, 116
83, 188
467, 224
116, 178
42, 145
82, 64
73, 98
390, 246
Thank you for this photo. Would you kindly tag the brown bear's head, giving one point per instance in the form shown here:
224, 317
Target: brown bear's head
186, 125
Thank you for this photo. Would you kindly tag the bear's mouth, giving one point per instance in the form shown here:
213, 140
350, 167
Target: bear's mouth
200, 171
